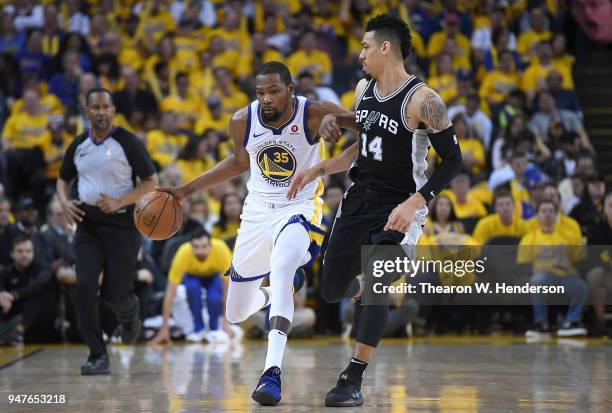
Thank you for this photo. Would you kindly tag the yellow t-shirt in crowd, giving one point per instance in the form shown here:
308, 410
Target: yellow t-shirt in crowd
565, 224
553, 252
437, 40
234, 100
163, 147
245, 64
230, 231
185, 262
191, 169
24, 131
497, 85
446, 86
491, 226
51, 151
50, 104
206, 121
473, 146
470, 209
187, 109
527, 40
317, 63
535, 76
347, 100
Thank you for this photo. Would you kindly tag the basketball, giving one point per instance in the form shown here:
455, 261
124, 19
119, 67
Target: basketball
158, 215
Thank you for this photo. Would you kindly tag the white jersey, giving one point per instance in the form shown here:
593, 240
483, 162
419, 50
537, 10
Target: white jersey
278, 154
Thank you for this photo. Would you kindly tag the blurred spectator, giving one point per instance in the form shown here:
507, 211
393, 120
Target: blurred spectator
528, 40
51, 31
600, 277
552, 254
206, 13
560, 56
28, 15
193, 160
563, 223
26, 222
75, 20
23, 138
572, 198
482, 38
589, 208
308, 58
451, 25
185, 104
445, 83
504, 222
65, 85
59, 236
213, 117
515, 102
31, 59
231, 97
464, 203
534, 77
502, 40
25, 291
565, 99
443, 220
137, 105
307, 85
497, 84
226, 228
549, 113
479, 123
75, 113
165, 143
50, 104
8, 231
107, 70
198, 264
11, 40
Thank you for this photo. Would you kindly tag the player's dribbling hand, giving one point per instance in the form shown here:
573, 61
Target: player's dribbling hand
301, 180
401, 217
162, 337
74, 214
329, 129
176, 191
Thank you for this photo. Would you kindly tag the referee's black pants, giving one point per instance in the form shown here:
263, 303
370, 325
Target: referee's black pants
108, 244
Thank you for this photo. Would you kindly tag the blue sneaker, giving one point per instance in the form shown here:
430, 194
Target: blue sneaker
268, 390
298, 282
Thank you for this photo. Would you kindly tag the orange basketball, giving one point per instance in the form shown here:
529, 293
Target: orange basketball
158, 215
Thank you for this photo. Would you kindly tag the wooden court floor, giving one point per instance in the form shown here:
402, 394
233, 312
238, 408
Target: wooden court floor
443, 375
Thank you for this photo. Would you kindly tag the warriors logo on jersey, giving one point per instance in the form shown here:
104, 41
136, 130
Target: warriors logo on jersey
276, 163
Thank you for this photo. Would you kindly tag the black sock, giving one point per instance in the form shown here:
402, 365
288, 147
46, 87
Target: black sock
355, 370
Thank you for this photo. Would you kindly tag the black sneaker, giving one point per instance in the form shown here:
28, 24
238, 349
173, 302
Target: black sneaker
96, 365
539, 331
346, 393
9, 332
573, 329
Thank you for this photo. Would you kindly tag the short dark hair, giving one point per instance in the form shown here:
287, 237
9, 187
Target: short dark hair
98, 90
199, 232
502, 193
546, 201
390, 27
20, 239
278, 68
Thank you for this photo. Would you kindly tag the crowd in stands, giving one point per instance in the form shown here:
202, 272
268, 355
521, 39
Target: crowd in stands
179, 69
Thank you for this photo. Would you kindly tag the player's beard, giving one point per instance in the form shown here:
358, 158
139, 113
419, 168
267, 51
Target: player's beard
271, 118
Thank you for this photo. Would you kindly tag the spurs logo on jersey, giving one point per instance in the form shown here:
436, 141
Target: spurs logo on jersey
392, 153
372, 117
277, 154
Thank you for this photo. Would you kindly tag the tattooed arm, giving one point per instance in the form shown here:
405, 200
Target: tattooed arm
426, 107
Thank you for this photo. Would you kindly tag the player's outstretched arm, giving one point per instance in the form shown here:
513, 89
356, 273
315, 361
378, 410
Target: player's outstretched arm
229, 168
427, 107
329, 166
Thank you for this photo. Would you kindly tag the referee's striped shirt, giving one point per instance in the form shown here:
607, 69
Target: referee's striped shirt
109, 167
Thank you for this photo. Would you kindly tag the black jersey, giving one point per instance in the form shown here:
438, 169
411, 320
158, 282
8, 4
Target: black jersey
392, 154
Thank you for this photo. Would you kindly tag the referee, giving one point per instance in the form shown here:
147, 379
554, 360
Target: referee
106, 160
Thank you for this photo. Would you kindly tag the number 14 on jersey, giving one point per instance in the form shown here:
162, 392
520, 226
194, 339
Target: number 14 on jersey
374, 147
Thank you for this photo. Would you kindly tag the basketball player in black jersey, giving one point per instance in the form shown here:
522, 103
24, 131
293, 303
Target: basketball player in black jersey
396, 116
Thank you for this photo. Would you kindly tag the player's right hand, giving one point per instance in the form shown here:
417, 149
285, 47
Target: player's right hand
178, 192
329, 129
73, 213
162, 337
301, 180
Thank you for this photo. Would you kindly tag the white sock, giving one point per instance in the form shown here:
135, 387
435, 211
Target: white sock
276, 348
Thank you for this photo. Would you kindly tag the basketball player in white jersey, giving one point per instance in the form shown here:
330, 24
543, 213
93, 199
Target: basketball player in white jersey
277, 137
